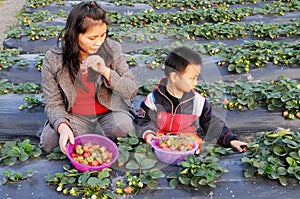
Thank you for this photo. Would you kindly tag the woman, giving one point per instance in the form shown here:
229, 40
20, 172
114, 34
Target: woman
87, 85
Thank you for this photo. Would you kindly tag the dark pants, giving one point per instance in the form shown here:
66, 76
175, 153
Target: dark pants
111, 125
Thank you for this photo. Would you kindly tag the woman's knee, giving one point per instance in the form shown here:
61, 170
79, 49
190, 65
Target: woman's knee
118, 126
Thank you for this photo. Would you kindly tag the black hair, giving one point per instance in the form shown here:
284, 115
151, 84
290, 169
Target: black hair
180, 58
82, 16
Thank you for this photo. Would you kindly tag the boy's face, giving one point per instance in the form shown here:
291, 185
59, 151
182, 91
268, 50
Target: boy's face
188, 79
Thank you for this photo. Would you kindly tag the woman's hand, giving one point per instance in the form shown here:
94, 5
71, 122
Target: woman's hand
238, 145
66, 134
97, 64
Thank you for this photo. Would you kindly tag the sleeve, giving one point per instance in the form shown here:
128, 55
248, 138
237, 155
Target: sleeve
214, 127
55, 107
146, 119
121, 81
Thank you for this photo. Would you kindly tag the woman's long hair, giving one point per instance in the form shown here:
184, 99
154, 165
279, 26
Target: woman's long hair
82, 17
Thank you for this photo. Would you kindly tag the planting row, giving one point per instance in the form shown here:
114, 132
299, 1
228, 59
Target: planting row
274, 154
236, 58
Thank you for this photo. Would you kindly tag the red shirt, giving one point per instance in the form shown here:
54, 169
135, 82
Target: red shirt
86, 103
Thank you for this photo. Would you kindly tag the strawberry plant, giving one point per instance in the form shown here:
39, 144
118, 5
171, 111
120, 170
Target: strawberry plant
199, 170
39, 63
42, 3
31, 102
56, 154
22, 88
133, 183
13, 151
90, 185
13, 176
137, 156
275, 155
10, 57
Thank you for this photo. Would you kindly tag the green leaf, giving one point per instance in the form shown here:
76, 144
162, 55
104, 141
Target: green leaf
249, 172
103, 174
291, 162
123, 156
132, 134
184, 180
156, 173
132, 164
83, 178
278, 150
281, 171
71, 180
133, 141
294, 155
185, 164
200, 172
173, 174
139, 157
253, 104
173, 183
10, 161
231, 67
277, 102
195, 181
23, 156
283, 180
104, 183
145, 179
93, 181
13, 152
245, 159
148, 164
202, 182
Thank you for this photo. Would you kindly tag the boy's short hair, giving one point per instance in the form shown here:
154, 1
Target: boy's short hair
180, 58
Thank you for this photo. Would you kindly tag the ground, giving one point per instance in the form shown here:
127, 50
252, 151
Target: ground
248, 124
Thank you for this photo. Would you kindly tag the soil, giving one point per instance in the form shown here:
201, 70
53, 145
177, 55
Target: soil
8, 11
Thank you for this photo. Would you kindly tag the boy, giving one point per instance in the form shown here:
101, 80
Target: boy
174, 107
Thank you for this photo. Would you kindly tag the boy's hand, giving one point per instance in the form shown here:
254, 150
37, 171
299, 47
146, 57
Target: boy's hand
149, 138
238, 145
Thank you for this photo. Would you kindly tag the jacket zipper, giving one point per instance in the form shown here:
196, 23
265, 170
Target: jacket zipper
173, 112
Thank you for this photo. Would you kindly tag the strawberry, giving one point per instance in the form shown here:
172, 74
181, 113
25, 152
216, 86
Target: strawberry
77, 146
85, 148
99, 160
74, 155
80, 159
86, 154
128, 190
95, 163
285, 114
120, 164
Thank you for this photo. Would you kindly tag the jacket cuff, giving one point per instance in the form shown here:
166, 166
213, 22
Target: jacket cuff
146, 133
59, 121
229, 137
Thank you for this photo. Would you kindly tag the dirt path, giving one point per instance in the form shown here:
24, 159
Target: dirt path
8, 11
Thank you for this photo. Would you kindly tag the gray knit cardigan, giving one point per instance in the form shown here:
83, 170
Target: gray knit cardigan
59, 91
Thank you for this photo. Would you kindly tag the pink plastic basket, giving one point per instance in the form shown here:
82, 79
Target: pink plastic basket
171, 157
94, 139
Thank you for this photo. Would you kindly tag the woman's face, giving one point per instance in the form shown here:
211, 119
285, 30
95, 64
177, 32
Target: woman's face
90, 41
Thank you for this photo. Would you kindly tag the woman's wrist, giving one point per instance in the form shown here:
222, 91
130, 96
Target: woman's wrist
62, 127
